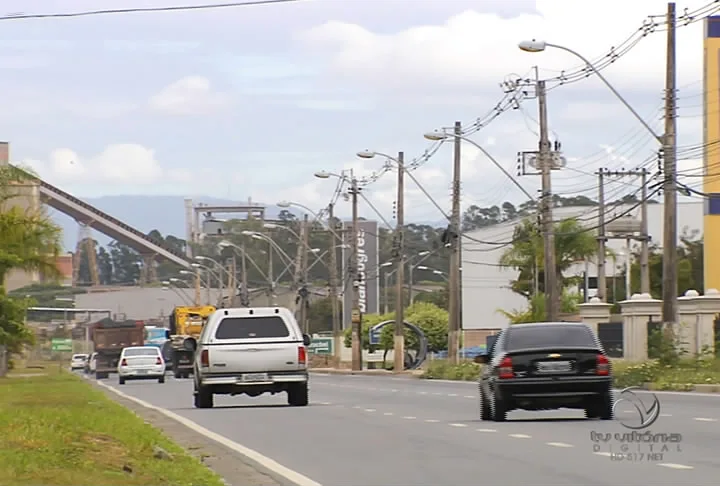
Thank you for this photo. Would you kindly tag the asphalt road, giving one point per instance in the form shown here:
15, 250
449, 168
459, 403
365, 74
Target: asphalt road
380, 431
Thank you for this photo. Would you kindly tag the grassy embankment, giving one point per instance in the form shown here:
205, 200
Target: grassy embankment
679, 374
59, 430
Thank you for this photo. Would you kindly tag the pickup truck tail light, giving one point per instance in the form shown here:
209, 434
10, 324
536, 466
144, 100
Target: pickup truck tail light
123, 362
602, 365
302, 355
505, 368
158, 361
205, 358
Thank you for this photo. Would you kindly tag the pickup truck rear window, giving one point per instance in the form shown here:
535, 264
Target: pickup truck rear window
544, 337
252, 327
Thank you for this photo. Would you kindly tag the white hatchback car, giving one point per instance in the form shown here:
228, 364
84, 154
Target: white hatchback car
78, 361
141, 363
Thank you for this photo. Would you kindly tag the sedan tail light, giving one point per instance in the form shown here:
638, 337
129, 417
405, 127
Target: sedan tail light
205, 358
602, 365
158, 361
505, 368
302, 355
123, 362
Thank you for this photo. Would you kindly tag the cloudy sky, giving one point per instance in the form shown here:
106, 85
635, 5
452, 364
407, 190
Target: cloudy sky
251, 101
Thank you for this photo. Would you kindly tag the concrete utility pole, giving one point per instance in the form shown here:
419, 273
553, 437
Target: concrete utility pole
670, 258
643, 237
336, 328
198, 297
552, 301
645, 242
601, 277
454, 239
399, 338
245, 299
303, 287
271, 276
354, 276
232, 282
297, 277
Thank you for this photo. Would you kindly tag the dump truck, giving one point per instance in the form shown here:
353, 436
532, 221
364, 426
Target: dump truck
186, 323
109, 337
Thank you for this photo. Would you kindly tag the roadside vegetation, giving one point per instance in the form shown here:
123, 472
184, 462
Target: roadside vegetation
667, 369
58, 430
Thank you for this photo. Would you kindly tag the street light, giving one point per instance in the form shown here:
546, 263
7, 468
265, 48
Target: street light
323, 174
440, 136
539, 46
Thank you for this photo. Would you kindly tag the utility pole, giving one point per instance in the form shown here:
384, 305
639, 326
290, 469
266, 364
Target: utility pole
670, 258
337, 331
356, 332
643, 235
232, 282
245, 294
197, 287
454, 240
545, 159
399, 338
271, 277
303, 290
297, 277
645, 242
601, 277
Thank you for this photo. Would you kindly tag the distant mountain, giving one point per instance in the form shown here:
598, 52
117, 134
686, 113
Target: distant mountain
146, 213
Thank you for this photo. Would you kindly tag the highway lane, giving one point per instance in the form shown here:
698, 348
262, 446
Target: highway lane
372, 435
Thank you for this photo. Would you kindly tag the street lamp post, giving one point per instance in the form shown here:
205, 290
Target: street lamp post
356, 315
669, 146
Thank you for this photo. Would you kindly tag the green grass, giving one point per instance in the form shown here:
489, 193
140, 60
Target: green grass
59, 430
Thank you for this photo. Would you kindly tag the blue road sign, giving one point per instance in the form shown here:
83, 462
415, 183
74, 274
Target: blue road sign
375, 334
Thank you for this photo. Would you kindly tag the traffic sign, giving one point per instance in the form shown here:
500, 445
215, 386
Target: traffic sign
61, 344
321, 346
375, 332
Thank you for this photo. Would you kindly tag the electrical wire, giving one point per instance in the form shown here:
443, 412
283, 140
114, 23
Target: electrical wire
113, 11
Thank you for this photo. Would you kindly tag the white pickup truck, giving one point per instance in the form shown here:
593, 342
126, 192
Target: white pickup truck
251, 351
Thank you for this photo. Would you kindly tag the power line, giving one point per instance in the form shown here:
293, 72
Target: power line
177, 8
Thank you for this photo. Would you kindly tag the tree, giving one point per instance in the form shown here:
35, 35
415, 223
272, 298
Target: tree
535, 311
126, 263
573, 244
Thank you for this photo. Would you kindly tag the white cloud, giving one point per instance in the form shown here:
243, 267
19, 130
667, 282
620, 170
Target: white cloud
118, 164
476, 51
192, 95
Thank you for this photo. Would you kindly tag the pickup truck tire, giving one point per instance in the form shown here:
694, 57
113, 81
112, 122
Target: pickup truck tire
121, 381
203, 398
161, 379
298, 395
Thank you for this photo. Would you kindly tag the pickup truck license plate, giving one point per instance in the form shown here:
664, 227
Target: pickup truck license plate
554, 366
250, 377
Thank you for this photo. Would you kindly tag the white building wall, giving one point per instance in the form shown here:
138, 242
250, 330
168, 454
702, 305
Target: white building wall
486, 286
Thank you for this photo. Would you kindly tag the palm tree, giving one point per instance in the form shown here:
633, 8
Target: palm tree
573, 244
29, 240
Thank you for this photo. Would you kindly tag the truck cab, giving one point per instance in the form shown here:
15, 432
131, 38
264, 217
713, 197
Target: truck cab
251, 351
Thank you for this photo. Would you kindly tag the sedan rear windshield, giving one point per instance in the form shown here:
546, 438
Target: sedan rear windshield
141, 352
252, 327
543, 337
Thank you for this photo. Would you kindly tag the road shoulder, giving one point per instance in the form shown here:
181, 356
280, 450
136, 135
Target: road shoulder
235, 469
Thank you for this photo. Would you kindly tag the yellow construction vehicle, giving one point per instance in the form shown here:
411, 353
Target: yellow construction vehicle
186, 323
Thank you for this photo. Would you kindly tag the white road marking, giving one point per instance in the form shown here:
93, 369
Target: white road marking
452, 394
458, 425
702, 419
437, 393
409, 417
394, 390
272, 465
666, 415
388, 413
357, 407
369, 409
469, 396
520, 436
559, 444
486, 430
675, 466
422, 393
432, 421
604, 454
